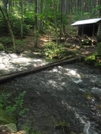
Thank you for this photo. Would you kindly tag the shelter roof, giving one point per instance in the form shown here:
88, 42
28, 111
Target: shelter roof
88, 21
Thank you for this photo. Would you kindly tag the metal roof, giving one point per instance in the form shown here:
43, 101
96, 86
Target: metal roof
88, 21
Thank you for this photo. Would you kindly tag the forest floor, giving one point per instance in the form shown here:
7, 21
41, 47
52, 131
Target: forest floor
71, 43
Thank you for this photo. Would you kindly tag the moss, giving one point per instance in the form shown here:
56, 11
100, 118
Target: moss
94, 59
63, 124
88, 96
91, 59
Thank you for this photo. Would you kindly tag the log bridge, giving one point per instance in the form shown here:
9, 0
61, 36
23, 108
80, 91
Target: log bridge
7, 77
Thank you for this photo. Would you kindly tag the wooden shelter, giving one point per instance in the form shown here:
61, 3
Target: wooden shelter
89, 27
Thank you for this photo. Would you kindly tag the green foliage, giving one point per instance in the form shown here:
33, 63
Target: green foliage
16, 27
13, 107
5, 40
54, 51
90, 58
29, 19
63, 124
30, 131
15, 24
19, 42
1, 47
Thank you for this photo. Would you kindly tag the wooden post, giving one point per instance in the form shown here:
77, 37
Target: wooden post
99, 33
93, 30
82, 30
78, 30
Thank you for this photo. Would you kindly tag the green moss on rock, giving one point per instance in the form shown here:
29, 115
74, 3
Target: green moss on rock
90, 59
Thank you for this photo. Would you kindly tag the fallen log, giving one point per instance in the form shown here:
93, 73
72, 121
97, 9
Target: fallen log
65, 60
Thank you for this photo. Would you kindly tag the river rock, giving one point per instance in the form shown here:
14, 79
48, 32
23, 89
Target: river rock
96, 91
22, 132
12, 127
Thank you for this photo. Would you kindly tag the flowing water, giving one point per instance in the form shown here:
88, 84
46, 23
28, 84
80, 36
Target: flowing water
61, 100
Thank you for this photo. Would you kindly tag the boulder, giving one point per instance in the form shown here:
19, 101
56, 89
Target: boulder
11, 127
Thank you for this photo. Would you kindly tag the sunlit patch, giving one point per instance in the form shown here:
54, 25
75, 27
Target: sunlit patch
13, 63
63, 83
54, 84
60, 67
55, 70
2, 66
74, 73
76, 78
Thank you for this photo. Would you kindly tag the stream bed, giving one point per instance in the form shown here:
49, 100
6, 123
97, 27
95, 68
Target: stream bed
61, 100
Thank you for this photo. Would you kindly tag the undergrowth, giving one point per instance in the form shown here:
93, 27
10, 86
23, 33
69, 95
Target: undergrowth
13, 107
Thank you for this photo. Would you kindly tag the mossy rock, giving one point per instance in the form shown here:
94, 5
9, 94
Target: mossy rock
4, 119
88, 96
12, 127
99, 49
90, 59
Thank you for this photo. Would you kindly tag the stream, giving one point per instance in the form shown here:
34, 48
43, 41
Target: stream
61, 100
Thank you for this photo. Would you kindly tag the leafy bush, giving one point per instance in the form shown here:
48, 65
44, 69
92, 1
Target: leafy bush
13, 107
16, 27
3, 26
29, 19
1, 47
5, 40
54, 51
15, 24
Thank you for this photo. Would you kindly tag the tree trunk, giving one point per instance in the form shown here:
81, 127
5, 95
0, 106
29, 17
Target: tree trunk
35, 27
99, 28
6, 18
40, 22
22, 19
100, 8
55, 23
